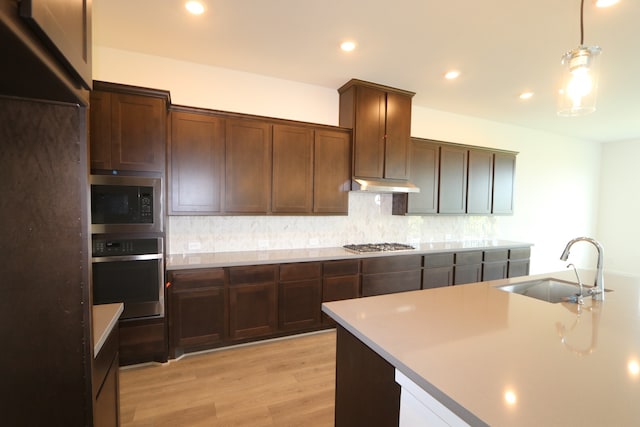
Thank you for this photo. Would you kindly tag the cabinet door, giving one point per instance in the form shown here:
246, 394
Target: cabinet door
248, 166
437, 277
138, 132
397, 136
467, 274
518, 268
480, 182
100, 128
425, 174
197, 163
66, 27
503, 183
387, 283
299, 304
453, 180
198, 319
332, 172
494, 270
252, 310
369, 132
292, 169
142, 340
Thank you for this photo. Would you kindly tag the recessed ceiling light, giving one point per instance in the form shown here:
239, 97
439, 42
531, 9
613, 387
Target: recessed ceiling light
194, 7
606, 3
526, 95
348, 46
453, 74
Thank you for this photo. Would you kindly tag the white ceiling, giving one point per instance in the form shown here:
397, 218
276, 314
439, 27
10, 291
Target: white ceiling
502, 47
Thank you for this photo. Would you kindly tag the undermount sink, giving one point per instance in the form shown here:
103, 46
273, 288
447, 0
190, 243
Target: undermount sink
548, 289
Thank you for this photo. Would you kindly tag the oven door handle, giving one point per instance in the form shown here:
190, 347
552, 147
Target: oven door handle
142, 257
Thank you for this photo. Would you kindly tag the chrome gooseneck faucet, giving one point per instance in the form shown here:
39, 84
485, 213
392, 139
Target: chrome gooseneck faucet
597, 293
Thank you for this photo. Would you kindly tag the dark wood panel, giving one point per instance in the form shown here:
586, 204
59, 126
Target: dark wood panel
496, 255
452, 197
439, 260
299, 304
469, 273
292, 186
480, 182
252, 310
100, 128
332, 172
106, 410
196, 278
366, 391
43, 151
300, 271
337, 288
472, 257
503, 183
437, 277
494, 270
391, 263
388, 283
252, 274
142, 340
519, 253
196, 150
369, 132
518, 268
341, 267
248, 166
424, 173
397, 136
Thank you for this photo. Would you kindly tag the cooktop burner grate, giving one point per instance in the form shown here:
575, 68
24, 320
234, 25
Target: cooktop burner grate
378, 247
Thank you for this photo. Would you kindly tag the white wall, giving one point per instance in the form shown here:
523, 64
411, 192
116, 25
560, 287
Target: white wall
619, 205
556, 177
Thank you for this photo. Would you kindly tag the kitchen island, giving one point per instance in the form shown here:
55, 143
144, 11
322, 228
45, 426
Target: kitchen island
490, 357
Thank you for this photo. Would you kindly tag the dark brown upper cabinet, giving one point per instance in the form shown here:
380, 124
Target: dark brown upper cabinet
452, 197
196, 163
458, 179
503, 183
65, 27
331, 172
248, 166
128, 128
380, 117
480, 182
293, 158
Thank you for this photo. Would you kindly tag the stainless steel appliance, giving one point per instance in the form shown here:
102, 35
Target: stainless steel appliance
129, 270
378, 247
126, 204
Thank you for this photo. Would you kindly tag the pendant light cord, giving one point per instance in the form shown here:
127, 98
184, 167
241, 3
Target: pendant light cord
581, 22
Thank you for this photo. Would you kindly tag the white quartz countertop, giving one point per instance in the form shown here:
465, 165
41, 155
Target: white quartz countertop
504, 359
230, 259
105, 318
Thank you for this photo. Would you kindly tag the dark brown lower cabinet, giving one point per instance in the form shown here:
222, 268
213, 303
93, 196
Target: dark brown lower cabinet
495, 264
366, 391
253, 301
340, 281
197, 310
299, 296
142, 340
390, 274
468, 267
519, 261
106, 389
438, 270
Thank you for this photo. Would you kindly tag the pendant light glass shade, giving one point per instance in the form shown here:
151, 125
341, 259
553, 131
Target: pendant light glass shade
577, 95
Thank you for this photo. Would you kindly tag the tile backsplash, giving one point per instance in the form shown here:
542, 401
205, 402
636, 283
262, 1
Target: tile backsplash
369, 220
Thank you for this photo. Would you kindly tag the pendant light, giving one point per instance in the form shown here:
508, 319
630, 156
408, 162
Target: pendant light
577, 96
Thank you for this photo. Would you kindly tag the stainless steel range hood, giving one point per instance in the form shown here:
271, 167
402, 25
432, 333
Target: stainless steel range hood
383, 186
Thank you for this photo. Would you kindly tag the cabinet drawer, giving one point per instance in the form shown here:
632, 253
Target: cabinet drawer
391, 263
520, 253
438, 260
341, 268
200, 278
252, 274
388, 283
300, 271
497, 255
463, 258
104, 359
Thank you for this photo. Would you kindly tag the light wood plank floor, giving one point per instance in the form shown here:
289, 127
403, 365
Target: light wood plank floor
287, 382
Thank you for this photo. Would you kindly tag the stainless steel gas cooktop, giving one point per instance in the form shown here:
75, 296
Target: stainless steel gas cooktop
377, 247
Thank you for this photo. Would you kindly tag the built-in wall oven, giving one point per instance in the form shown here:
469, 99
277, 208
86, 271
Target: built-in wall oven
129, 270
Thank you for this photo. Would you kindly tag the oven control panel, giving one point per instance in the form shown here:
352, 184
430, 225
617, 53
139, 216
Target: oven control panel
122, 247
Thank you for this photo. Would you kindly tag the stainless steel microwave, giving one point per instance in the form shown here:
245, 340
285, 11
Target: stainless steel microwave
126, 204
